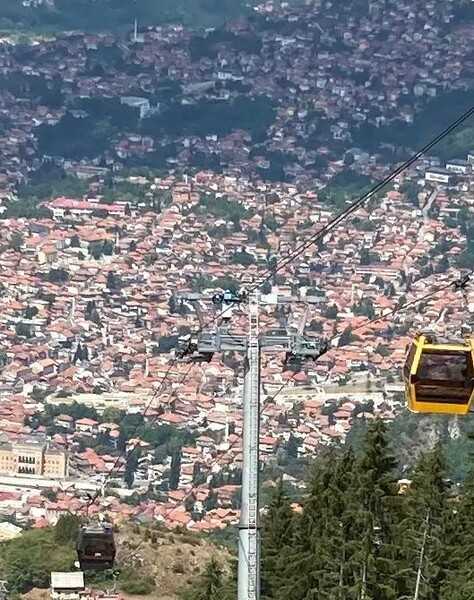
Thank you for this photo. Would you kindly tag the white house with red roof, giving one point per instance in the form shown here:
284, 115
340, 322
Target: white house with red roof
62, 206
87, 426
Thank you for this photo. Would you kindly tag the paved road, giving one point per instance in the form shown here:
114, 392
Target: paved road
7, 482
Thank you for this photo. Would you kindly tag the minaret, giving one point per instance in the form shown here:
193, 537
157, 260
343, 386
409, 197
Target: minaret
135, 32
226, 434
73, 310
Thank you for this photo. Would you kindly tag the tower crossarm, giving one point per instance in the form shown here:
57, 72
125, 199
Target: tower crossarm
202, 346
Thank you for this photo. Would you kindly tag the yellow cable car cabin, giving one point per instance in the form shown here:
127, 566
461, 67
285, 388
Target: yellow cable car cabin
439, 378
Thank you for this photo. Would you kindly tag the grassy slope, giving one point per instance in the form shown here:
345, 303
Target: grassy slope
30, 557
173, 560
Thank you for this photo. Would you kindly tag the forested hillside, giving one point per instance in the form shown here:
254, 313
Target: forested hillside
361, 534
95, 15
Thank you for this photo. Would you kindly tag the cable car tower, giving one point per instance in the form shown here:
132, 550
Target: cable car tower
201, 349
249, 534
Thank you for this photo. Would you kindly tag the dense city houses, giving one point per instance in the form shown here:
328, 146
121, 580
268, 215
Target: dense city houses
279, 94
90, 318
91, 281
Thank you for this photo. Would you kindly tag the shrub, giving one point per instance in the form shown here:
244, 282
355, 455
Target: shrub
67, 528
190, 539
27, 561
134, 584
178, 567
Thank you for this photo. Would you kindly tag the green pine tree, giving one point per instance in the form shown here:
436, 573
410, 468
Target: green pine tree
229, 589
210, 586
372, 550
304, 562
277, 532
459, 580
130, 468
424, 531
67, 528
336, 580
175, 470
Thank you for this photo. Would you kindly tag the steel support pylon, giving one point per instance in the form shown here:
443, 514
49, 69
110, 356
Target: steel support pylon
221, 340
249, 534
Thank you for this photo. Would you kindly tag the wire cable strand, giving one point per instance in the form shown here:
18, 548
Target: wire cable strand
334, 223
405, 306
338, 219
126, 455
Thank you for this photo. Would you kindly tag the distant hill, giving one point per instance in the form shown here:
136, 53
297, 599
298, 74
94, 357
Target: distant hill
116, 15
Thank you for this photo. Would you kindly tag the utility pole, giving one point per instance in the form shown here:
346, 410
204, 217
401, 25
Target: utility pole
201, 349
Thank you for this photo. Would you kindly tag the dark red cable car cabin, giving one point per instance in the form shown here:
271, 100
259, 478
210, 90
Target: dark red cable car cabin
96, 547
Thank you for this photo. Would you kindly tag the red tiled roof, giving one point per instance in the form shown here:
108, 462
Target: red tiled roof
86, 421
70, 204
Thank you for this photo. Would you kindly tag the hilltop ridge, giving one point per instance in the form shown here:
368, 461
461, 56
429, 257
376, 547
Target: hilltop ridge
86, 15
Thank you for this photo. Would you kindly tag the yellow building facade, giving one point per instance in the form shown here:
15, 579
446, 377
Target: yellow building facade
33, 458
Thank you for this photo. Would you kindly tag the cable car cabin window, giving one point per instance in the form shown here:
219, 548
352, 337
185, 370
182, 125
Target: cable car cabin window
98, 548
444, 377
442, 366
409, 361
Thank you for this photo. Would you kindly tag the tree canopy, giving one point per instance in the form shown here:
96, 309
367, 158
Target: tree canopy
359, 534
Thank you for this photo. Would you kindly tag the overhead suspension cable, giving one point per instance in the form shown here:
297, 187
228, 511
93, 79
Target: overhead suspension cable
127, 453
363, 199
356, 205
284, 262
457, 285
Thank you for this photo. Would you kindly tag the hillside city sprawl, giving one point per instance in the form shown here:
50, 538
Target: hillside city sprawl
88, 279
